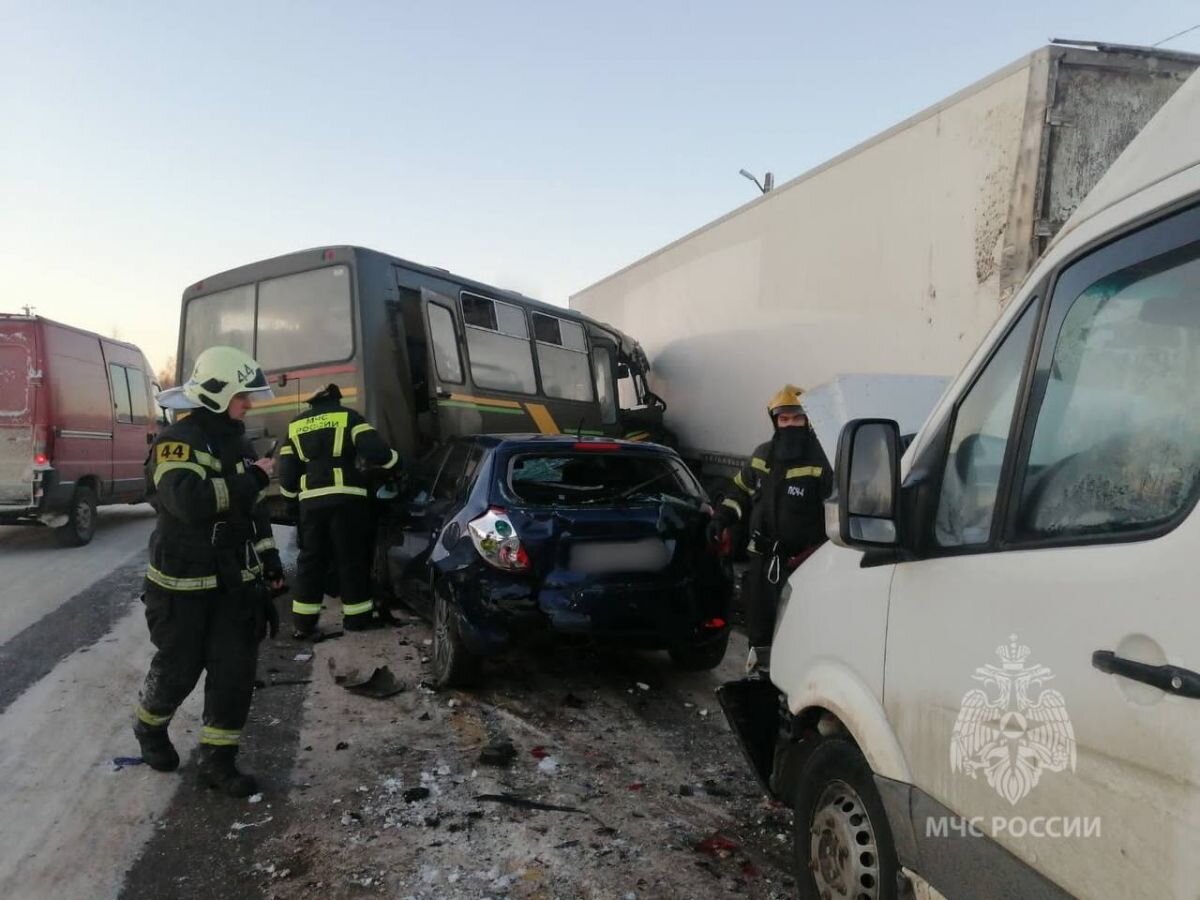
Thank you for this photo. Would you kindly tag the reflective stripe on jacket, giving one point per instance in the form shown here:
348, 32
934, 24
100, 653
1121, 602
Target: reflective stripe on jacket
320, 460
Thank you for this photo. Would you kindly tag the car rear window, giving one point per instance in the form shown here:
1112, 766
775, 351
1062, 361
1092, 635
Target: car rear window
585, 478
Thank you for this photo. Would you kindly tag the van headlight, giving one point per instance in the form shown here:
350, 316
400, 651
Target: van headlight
785, 595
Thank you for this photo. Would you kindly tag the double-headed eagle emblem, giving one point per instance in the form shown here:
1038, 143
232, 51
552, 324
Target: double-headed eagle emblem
1007, 731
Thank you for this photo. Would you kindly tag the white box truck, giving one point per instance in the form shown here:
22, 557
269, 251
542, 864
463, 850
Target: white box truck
988, 683
894, 257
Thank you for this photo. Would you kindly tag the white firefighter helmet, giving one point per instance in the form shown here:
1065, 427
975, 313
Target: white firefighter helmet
220, 374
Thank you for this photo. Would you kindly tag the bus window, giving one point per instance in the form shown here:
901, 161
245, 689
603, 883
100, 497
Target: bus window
602, 366
562, 358
305, 319
225, 318
498, 345
445, 344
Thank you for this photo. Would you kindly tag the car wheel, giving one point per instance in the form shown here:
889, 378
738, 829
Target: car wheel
843, 844
700, 657
81, 519
453, 664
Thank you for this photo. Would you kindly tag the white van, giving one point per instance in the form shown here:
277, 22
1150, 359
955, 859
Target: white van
987, 683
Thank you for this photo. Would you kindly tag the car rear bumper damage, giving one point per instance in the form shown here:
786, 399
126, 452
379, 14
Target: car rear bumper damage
498, 612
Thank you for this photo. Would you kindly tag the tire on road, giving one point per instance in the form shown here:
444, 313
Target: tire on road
842, 844
81, 519
699, 657
453, 664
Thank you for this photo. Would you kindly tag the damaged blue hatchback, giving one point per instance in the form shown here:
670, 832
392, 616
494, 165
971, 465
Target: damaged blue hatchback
504, 539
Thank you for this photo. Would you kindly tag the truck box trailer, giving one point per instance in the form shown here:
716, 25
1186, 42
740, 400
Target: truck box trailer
894, 257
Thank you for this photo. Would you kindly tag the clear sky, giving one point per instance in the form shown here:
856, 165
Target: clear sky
535, 145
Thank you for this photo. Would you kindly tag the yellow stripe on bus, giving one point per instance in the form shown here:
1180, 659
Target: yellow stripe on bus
485, 401
542, 418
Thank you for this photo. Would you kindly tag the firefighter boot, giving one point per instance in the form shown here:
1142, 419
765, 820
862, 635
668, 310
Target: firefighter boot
157, 750
218, 771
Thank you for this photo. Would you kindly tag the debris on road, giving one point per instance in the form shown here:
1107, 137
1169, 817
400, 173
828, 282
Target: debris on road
526, 803
413, 795
498, 753
122, 762
302, 657
717, 846
380, 685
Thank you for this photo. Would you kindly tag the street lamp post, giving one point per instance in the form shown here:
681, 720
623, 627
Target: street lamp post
767, 183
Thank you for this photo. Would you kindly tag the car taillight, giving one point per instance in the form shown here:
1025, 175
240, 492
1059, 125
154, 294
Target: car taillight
41, 445
497, 541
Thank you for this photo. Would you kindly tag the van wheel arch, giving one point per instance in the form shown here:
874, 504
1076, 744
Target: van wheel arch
806, 730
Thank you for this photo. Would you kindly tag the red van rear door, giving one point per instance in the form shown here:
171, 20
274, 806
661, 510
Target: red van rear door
18, 368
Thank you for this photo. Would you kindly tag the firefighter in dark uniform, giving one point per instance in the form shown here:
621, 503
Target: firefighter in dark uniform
321, 466
781, 491
212, 556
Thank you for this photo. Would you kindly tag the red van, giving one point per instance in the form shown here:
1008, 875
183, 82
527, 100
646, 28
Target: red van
76, 415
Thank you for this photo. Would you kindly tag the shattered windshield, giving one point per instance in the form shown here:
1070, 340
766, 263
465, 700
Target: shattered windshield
587, 478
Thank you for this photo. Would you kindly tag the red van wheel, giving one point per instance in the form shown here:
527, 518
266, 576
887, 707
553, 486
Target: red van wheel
81, 519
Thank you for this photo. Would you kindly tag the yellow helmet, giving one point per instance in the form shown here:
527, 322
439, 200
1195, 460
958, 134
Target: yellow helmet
786, 400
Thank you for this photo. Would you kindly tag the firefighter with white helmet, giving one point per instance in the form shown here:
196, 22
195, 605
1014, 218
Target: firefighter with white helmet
780, 493
212, 558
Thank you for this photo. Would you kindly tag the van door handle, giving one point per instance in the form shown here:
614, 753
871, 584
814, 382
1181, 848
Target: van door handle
1172, 679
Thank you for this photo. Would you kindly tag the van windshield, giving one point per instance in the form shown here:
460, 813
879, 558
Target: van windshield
597, 477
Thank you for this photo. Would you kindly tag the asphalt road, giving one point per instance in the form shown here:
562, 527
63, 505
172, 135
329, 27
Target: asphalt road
662, 804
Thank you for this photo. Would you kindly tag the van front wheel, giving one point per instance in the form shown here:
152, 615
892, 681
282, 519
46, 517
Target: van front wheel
843, 844
81, 519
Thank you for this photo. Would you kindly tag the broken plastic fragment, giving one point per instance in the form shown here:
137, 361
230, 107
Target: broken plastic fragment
498, 753
717, 846
255, 798
539, 752
548, 765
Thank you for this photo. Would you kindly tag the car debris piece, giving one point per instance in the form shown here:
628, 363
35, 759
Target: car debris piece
539, 752
498, 753
412, 795
718, 846
380, 685
122, 761
715, 790
525, 803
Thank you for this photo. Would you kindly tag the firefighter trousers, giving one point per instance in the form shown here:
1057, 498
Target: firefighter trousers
212, 632
768, 573
340, 536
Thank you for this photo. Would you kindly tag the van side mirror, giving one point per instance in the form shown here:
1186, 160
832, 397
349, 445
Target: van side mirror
868, 485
